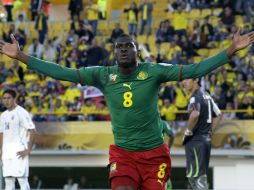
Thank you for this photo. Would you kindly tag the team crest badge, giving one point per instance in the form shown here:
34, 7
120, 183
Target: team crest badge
112, 77
113, 167
142, 75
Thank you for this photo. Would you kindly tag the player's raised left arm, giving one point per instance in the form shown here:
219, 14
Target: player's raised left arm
207, 65
53, 70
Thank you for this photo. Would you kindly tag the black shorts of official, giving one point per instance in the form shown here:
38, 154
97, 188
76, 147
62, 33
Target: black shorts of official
197, 157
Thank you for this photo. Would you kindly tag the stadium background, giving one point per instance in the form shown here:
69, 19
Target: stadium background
73, 121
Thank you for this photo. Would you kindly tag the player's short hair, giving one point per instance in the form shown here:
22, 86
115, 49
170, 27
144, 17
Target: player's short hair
11, 92
128, 37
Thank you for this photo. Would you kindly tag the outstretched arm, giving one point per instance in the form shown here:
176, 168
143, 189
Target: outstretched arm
50, 69
209, 64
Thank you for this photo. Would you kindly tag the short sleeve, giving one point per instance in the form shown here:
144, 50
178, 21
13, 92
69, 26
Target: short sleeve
194, 105
167, 72
91, 76
26, 120
216, 110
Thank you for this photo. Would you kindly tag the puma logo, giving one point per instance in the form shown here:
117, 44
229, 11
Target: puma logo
127, 85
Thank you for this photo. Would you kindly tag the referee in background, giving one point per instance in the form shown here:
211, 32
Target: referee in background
204, 115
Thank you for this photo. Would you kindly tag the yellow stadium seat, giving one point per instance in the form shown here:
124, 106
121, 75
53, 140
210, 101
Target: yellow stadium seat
217, 11
206, 12
170, 15
66, 26
151, 40
212, 52
197, 59
238, 20
203, 52
102, 25
108, 47
165, 46
142, 39
194, 14
214, 20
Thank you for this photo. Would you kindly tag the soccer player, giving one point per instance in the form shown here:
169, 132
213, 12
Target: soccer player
15, 128
204, 115
139, 159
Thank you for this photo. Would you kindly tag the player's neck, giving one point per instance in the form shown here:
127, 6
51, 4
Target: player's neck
12, 107
194, 89
127, 70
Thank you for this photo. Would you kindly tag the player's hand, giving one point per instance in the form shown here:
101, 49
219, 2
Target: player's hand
10, 49
242, 41
187, 136
22, 154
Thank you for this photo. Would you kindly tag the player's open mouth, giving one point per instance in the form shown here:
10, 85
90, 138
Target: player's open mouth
124, 57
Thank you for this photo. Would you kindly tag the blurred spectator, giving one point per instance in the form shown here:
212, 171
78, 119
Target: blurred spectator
165, 32
36, 183
172, 7
174, 52
72, 37
8, 4
167, 110
46, 7
11, 79
35, 49
35, 6
220, 32
89, 109
75, 7
180, 20
132, 18
200, 4
60, 109
116, 32
41, 25
227, 17
102, 112
82, 182
95, 55
146, 11
49, 51
21, 25
196, 35
102, 7
73, 59
92, 15
21, 38
18, 70
6, 36
75, 24
4, 72
206, 31
70, 185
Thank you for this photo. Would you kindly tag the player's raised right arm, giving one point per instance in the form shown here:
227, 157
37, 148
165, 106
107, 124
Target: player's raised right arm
53, 70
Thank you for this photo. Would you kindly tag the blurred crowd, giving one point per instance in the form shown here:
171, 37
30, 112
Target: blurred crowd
185, 32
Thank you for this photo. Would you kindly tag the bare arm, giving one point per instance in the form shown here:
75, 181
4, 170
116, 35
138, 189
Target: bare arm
26, 152
31, 139
193, 119
216, 121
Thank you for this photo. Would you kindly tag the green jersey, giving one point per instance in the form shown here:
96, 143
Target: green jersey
132, 99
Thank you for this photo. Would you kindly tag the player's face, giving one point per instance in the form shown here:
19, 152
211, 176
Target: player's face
125, 53
188, 84
8, 101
